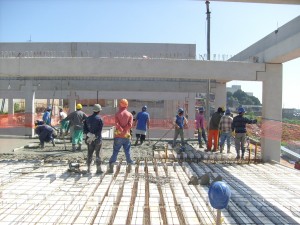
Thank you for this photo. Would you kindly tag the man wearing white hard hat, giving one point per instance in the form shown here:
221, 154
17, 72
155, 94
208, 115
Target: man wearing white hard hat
93, 129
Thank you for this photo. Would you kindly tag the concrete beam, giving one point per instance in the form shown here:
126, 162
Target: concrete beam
85, 68
279, 46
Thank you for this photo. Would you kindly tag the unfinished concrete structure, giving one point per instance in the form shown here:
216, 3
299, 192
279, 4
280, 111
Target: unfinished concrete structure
159, 71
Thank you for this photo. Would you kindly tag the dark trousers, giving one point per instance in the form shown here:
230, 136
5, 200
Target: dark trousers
141, 137
94, 146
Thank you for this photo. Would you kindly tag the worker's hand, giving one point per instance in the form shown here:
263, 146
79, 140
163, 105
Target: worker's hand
233, 134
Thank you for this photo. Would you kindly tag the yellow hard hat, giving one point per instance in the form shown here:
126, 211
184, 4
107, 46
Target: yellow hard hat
79, 106
123, 102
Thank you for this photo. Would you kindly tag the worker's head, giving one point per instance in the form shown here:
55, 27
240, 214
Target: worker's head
227, 112
180, 111
39, 122
144, 108
78, 106
221, 110
133, 112
123, 103
49, 108
201, 109
241, 110
97, 108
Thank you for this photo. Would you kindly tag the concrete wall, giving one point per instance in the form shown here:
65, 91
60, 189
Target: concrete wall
96, 50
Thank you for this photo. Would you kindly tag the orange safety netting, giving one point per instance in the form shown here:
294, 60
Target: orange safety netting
269, 129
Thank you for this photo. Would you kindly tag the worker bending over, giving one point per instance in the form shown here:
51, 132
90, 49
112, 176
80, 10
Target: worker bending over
46, 133
179, 123
93, 129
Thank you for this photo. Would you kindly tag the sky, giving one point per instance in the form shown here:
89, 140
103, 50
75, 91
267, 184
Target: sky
234, 27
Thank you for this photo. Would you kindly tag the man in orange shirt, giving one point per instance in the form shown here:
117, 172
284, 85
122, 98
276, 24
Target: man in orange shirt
123, 121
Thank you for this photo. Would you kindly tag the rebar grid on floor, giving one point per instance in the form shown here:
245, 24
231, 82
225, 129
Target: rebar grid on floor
51, 195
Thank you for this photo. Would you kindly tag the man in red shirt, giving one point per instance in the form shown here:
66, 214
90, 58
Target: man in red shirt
123, 121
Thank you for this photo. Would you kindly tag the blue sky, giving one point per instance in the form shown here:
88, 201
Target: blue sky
234, 26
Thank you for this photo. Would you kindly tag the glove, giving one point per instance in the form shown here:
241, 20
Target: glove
90, 138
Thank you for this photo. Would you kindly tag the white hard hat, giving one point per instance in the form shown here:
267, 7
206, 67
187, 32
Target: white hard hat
97, 108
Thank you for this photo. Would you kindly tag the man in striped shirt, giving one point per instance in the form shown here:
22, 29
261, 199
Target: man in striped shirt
225, 129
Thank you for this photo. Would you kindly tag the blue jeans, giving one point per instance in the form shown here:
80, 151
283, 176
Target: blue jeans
225, 137
118, 143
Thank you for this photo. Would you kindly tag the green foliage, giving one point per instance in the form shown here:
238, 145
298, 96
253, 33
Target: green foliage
295, 121
242, 97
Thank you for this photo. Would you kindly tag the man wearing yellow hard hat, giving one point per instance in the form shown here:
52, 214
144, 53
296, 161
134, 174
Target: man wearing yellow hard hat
124, 122
76, 119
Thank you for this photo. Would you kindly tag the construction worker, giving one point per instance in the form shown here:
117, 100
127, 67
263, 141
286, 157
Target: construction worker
239, 128
93, 129
225, 129
63, 123
123, 124
200, 126
76, 119
47, 116
179, 123
213, 132
142, 126
46, 133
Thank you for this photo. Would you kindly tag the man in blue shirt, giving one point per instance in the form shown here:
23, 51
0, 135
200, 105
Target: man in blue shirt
93, 129
143, 121
179, 122
239, 127
47, 116
46, 133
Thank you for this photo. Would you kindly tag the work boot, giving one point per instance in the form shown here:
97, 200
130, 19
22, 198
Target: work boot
237, 157
142, 142
42, 146
99, 170
200, 145
79, 147
53, 143
228, 150
73, 147
88, 169
136, 142
110, 168
242, 156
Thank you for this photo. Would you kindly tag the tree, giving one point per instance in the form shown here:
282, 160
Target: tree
245, 99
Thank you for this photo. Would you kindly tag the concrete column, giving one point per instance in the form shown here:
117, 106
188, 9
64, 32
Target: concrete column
29, 95
220, 95
191, 115
271, 112
10, 110
72, 101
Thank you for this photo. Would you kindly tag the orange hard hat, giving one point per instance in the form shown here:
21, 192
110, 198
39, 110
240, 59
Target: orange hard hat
123, 103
